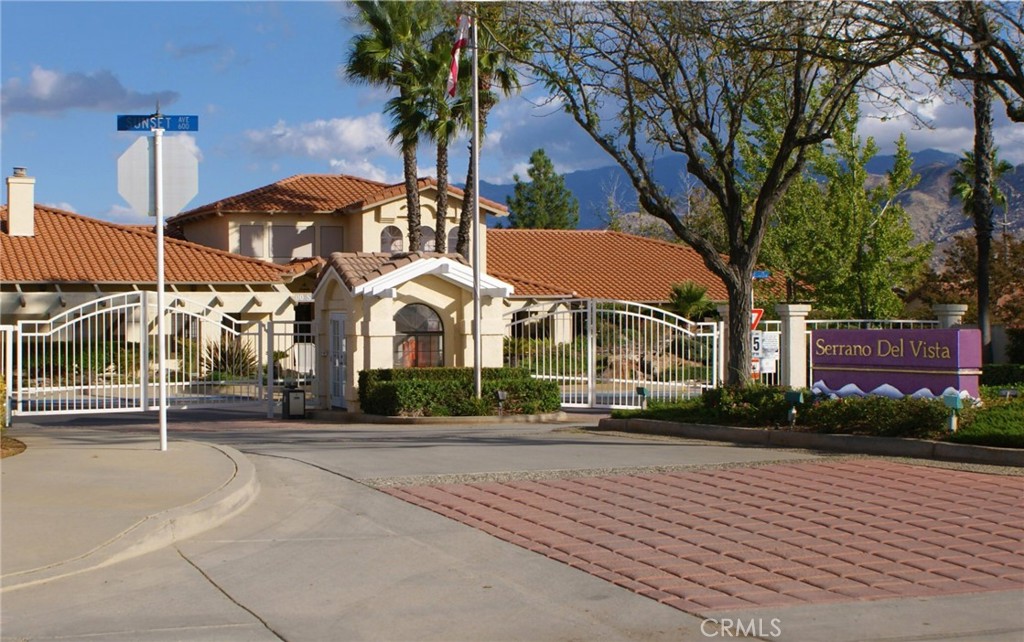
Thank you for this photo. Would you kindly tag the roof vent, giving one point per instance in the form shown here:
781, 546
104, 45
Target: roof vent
21, 206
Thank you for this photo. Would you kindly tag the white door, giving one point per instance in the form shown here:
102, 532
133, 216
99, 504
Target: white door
339, 360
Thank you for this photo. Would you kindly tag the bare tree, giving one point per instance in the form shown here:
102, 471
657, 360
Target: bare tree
710, 81
977, 42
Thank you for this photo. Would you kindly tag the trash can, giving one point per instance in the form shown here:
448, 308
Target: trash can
293, 405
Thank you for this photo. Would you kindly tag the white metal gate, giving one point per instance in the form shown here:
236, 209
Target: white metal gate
101, 357
613, 353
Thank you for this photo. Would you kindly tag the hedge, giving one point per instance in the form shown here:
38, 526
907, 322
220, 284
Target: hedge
1002, 374
449, 392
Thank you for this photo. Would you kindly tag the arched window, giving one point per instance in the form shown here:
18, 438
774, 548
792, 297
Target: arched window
427, 238
419, 338
391, 239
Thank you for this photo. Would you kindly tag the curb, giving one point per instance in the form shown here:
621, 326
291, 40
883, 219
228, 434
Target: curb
158, 530
343, 416
862, 444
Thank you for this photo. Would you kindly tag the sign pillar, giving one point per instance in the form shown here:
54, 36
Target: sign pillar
182, 164
161, 332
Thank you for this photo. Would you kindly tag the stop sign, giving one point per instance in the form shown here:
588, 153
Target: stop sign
135, 173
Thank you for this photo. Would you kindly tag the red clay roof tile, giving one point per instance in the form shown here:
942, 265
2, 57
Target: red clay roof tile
70, 248
595, 263
317, 193
356, 268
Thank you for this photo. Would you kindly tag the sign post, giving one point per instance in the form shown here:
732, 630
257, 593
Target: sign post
156, 123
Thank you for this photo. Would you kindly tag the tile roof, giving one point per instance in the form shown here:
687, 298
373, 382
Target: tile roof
357, 268
317, 193
71, 248
595, 263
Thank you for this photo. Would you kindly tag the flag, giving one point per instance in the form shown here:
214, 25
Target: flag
461, 36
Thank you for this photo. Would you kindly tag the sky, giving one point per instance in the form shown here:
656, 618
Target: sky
263, 77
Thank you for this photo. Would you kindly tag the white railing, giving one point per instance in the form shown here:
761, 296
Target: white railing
606, 353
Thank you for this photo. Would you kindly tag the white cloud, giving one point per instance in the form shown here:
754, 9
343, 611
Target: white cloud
943, 122
190, 143
52, 92
63, 205
126, 216
364, 137
362, 168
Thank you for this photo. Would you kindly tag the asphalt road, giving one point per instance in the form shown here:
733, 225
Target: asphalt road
324, 554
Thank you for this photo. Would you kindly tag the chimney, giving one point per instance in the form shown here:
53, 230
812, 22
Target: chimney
21, 206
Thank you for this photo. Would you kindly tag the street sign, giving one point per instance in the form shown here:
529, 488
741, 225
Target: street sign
180, 175
755, 317
762, 274
130, 123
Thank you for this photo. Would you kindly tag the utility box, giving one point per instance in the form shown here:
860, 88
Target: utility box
293, 405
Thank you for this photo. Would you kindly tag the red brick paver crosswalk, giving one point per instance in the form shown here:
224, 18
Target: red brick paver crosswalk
776, 535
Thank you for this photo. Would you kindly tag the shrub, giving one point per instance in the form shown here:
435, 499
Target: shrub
1015, 349
748, 406
449, 392
733, 406
229, 358
1002, 374
998, 422
873, 415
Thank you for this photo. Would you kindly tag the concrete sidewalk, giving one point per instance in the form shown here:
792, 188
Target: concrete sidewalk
78, 501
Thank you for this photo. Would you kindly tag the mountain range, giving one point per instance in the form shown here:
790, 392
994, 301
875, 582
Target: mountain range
935, 215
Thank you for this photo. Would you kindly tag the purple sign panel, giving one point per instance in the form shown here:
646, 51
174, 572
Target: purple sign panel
896, 363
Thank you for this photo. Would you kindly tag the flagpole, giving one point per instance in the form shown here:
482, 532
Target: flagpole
477, 348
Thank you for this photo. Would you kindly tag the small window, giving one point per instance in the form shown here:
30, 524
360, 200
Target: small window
289, 242
419, 338
250, 241
426, 238
332, 239
391, 239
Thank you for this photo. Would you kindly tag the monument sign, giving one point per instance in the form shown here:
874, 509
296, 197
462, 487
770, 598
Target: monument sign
896, 363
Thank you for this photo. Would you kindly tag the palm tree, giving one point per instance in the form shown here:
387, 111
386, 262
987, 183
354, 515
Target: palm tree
690, 300
386, 55
964, 179
501, 43
445, 120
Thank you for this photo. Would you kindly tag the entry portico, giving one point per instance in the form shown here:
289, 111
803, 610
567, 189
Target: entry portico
402, 310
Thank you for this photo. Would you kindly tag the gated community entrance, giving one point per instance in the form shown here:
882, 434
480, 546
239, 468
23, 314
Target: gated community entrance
101, 356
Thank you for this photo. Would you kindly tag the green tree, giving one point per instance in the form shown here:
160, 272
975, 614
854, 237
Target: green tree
643, 79
980, 207
963, 181
544, 202
877, 255
389, 53
955, 280
846, 244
